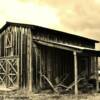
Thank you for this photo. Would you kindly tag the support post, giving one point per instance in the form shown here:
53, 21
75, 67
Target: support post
75, 73
97, 80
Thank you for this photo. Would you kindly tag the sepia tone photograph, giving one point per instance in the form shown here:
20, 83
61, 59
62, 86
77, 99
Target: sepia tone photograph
49, 49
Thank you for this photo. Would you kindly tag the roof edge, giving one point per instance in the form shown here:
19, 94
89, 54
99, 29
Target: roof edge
32, 26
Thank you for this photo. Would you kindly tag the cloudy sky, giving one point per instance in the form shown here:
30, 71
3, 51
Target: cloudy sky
81, 17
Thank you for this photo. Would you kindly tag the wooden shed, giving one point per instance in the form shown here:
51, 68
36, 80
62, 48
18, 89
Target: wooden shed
31, 56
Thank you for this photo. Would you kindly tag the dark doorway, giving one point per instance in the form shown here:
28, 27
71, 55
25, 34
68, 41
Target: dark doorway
56, 64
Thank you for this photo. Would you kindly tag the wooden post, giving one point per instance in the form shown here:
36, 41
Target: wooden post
75, 73
97, 81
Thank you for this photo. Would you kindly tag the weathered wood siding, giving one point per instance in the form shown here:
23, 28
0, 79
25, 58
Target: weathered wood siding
21, 48
51, 36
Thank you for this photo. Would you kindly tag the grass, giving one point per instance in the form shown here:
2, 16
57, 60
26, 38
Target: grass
25, 95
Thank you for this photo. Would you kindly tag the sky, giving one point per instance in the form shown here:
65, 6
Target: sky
80, 17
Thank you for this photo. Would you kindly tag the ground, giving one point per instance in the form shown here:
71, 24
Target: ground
25, 95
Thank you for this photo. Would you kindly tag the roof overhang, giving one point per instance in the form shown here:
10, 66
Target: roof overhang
82, 50
90, 52
57, 45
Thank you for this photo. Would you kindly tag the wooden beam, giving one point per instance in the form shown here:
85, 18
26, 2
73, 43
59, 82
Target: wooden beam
97, 80
75, 73
49, 82
56, 45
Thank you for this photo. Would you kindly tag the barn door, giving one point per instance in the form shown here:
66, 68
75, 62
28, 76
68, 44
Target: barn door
9, 72
9, 64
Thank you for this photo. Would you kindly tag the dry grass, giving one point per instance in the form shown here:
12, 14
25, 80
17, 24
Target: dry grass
24, 95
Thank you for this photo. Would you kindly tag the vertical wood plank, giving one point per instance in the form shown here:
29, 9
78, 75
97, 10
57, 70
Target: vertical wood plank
48, 64
18, 41
18, 72
4, 44
16, 47
40, 67
0, 45
36, 52
12, 40
31, 62
97, 80
29, 59
21, 54
18, 32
